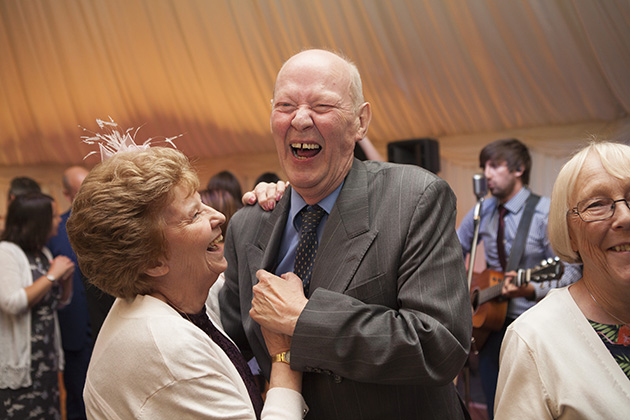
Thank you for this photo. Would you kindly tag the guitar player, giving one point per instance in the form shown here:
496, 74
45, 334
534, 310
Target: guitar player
507, 164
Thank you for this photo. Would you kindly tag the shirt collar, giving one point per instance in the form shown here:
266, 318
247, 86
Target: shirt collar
298, 203
516, 203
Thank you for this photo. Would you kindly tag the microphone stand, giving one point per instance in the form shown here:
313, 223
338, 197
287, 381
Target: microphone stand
473, 246
480, 192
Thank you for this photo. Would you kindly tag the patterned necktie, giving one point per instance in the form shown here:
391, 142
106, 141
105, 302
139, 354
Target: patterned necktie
501, 236
202, 321
307, 245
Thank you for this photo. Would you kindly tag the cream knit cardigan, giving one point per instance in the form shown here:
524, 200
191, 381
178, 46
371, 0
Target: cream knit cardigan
15, 318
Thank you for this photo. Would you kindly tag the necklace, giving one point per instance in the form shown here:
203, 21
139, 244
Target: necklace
602, 308
172, 305
623, 335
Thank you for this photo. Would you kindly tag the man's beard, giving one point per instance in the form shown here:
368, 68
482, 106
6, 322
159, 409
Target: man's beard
505, 192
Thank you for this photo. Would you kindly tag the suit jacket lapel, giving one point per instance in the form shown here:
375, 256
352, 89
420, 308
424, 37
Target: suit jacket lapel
347, 235
263, 251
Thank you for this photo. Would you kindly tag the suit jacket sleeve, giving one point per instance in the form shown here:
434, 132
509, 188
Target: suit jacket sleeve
408, 321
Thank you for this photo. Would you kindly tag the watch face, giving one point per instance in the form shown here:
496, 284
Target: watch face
283, 357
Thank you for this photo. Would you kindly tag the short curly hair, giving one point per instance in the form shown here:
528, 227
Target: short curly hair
116, 228
614, 158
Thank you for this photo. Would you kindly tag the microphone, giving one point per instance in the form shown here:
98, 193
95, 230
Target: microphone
480, 186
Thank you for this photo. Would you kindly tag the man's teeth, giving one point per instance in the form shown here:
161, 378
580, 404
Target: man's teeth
621, 248
310, 146
305, 150
214, 245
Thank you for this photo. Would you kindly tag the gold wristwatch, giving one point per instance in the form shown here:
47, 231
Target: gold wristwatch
284, 357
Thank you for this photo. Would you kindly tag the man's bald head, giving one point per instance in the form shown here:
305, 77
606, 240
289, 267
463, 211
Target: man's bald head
350, 70
72, 179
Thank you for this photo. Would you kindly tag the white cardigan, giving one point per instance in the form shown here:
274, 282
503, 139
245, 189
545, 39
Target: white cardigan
151, 363
553, 365
15, 318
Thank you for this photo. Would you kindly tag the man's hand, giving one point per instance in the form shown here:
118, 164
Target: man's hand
278, 301
267, 194
509, 290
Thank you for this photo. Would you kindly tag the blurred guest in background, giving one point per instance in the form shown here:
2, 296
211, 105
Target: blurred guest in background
269, 177
569, 356
223, 201
74, 320
22, 185
225, 180
33, 286
18, 186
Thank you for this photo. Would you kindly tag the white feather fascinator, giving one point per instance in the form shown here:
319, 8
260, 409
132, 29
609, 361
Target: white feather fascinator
112, 139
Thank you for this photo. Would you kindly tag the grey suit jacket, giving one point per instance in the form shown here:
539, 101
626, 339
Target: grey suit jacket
388, 323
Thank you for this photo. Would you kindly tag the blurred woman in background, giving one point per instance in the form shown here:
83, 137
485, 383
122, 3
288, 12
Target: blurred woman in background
226, 181
33, 286
222, 201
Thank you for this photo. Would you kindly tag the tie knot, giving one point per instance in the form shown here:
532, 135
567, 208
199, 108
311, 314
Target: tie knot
311, 216
502, 210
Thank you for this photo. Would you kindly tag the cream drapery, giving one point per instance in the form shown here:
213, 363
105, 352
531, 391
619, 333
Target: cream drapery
551, 72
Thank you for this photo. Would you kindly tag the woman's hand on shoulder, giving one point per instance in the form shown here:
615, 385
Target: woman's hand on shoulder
266, 194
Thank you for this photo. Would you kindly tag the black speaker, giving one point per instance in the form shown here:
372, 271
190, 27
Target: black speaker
421, 152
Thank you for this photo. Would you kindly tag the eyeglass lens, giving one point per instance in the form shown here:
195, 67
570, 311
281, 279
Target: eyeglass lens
600, 208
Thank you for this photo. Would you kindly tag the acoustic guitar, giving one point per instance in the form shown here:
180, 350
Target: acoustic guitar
488, 305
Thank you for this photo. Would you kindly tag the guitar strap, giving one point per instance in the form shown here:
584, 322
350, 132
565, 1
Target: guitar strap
518, 247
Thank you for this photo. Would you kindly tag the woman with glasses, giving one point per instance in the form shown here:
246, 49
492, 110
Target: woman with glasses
569, 356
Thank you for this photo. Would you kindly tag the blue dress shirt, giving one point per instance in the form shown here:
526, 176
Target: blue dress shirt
291, 235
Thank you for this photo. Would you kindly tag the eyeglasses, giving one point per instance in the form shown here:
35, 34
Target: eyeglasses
597, 209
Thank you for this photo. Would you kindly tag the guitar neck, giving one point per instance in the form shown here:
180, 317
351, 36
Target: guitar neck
487, 294
492, 292
549, 270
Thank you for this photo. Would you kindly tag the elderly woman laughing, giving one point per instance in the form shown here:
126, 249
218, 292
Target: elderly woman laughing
569, 356
142, 234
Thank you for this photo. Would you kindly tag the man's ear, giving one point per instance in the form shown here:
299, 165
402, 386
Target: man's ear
519, 172
157, 270
365, 116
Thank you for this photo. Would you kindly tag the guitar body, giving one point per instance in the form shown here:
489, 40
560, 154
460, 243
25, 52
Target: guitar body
489, 308
488, 316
